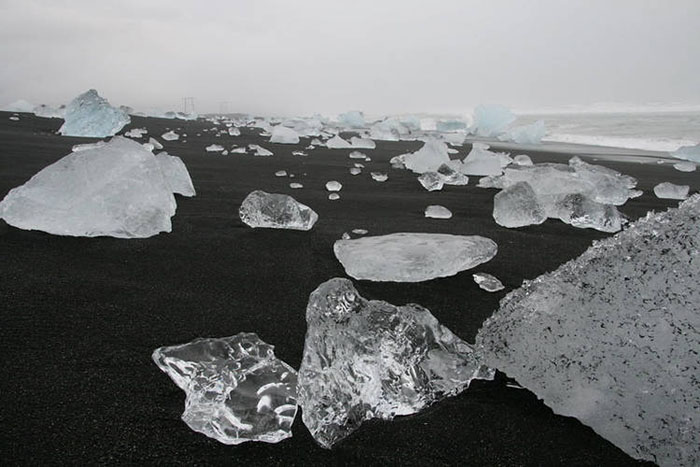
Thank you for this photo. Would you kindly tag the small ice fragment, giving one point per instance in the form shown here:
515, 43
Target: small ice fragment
668, 190
359, 165
86, 146
487, 282
276, 211
355, 171
333, 196
148, 146
223, 380
345, 236
214, 148
295, 185
435, 211
170, 136
333, 186
412, 257
155, 143
281, 173
259, 150
379, 176
14, 118
431, 181
136, 133
299, 153
362, 143
359, 231
357, 155
224, 152
241, 150
233, 131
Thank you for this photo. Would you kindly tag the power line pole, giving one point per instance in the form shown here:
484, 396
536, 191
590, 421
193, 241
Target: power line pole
188, 103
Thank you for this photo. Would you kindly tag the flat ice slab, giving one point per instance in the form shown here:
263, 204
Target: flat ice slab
237, 390
412, 257
276, 211
612, 337
370, 359
117, 189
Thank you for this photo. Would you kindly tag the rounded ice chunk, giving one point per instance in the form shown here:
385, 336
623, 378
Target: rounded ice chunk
517, 206
276, 211
667, 190
435, 211
412, 257
333, 186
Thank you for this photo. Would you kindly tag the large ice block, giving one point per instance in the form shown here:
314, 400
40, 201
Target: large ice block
612, 337
89, 114
370, 359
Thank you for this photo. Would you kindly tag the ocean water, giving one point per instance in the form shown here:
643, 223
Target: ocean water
652, 131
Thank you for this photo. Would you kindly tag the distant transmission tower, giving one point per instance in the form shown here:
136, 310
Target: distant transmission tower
224, 107
188, 103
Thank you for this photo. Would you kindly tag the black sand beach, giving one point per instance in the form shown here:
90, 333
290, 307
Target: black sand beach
80, 317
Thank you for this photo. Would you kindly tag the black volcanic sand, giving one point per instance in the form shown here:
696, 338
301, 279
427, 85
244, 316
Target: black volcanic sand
81, 316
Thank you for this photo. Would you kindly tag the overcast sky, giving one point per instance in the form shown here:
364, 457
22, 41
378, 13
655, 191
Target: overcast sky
380, 56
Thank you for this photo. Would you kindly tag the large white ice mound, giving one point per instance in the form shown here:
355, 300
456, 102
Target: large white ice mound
491, 120
117, 189
283, 135
367, 359
612, 337
91, 115
412, 257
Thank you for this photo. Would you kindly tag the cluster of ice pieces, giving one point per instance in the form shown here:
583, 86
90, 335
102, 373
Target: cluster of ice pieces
581, 194
91, 115
412, 257
237, 390
276, 211
612, 337
117, 189
370, 359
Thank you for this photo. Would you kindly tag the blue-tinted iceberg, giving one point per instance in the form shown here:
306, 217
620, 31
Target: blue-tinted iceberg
352, 119
691, 153
91, 115
491, 120
526, 134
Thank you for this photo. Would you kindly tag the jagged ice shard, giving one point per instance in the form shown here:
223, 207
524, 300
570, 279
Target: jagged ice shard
412, 257
612, 337
237, 390
276, 211
91, 115
117, 189
429, 158
370, 359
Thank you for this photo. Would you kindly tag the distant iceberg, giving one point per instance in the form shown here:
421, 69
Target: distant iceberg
19, 106
691, 153
91, 115
491, 120
352, 119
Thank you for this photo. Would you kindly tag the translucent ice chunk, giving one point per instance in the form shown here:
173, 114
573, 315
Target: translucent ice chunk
352, 119
355, 171
428, 158
299, 153
412, 257
357, 155
233, 131
518, 206
333, 196
431, 181
487, 282
136, 133
370, 359
176, 174
284, 135
691, 153
480, 161
214, 148
276, 211
154, 142
522, 159
684, 166
91, 115
237, 390
337, 142
671, 191
526, 134
170, 136
362, 143
435, 211
491, 120
611, 337
116, 189
379, 176
259, 150
281, 173
333, 186
19, 106
295, 185
450, 176
581, 211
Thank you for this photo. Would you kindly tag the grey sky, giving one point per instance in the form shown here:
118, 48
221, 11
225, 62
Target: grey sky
380, 56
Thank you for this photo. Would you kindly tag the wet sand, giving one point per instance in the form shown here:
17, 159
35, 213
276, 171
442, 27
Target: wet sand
80, 317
